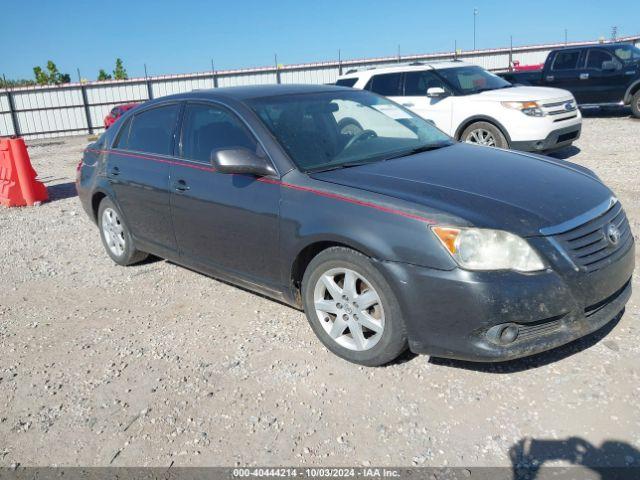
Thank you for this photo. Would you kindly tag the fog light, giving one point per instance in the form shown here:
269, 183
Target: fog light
508, 334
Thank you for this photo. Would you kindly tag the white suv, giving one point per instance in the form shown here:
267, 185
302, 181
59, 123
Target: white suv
474, 105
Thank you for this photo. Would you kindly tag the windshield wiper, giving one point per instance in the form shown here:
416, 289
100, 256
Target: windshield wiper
337, 167
423, 148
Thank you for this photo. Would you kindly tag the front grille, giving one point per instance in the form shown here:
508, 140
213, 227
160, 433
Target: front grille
588, 245
562, 107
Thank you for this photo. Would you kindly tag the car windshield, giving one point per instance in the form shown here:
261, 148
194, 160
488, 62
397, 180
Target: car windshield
627, 53
337, 129
472, 79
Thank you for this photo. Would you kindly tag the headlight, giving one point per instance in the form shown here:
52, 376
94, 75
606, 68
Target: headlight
482, 249
528, 108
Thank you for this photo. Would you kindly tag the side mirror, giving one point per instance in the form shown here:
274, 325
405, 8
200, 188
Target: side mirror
241, 160
436, 92
609, 66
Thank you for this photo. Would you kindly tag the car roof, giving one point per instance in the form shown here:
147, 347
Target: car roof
411, 67
254, 91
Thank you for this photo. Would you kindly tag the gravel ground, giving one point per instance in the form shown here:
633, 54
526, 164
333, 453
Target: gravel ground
154, 364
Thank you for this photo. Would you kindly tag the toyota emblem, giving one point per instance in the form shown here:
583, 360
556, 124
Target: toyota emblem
613, 234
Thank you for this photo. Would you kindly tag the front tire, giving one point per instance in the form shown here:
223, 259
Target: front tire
116, 236
635, 104
352, 309
484, 133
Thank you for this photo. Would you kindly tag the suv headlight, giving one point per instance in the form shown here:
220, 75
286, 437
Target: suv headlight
483, 249
528, 108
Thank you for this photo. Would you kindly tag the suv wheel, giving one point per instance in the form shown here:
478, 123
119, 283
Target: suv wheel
352, 308
635, 104
484, 133
116, 236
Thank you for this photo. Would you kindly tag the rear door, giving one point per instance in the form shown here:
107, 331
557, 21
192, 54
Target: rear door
138, 169
605, 85
223, 222
414, 97
564, 73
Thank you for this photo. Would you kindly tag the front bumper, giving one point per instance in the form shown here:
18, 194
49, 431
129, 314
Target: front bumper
459, 314
560, 138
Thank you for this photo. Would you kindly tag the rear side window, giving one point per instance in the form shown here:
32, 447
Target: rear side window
417, 83
123, 135
566, 60
207, 128
346, 82
387, 84
596, 57
150, 131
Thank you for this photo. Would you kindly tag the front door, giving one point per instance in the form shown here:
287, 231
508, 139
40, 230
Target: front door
606, 85
414, 97
223, 222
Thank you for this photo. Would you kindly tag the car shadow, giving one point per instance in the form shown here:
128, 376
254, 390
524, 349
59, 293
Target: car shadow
606, 112
565, 153
613, 459
537, 360
62, 191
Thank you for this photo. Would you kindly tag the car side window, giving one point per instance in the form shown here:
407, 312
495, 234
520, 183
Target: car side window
387, 84
566, 60
122, 139
346, 82
151, 131
417, 83
595, 57
206, 128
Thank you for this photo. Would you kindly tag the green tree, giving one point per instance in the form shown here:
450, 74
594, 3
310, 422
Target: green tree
102, 75
120, 73
52, 76
41, 77
19, 82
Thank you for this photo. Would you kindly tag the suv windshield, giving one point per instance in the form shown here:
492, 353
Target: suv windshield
336, 129
627, 53
471, 79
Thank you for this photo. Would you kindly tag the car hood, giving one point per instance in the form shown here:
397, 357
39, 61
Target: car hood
487, 187
524, 94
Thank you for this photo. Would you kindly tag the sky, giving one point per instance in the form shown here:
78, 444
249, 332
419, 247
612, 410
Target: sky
184, 36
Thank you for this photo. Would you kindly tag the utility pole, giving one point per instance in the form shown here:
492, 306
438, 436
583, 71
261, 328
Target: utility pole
565, 37
398, 53
475, 14
510, 52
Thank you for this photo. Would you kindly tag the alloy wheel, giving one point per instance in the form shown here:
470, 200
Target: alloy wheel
113, 232
349, 309
481, 136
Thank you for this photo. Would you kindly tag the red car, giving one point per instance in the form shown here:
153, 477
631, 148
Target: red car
116, 113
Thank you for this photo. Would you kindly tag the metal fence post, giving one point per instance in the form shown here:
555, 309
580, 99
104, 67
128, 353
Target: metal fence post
14, 116
87, 112
147, 80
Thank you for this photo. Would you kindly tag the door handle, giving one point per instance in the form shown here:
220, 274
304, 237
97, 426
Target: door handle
584, 76
181, 186
115, 171
408, 105
550, 78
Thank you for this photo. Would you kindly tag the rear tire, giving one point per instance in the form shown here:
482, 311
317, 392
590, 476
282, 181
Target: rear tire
116, 236
357, 316
484, 133
635, 104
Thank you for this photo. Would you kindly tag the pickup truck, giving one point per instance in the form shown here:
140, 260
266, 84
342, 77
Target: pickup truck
606, 74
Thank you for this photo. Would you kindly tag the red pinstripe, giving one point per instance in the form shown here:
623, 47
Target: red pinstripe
272, 181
